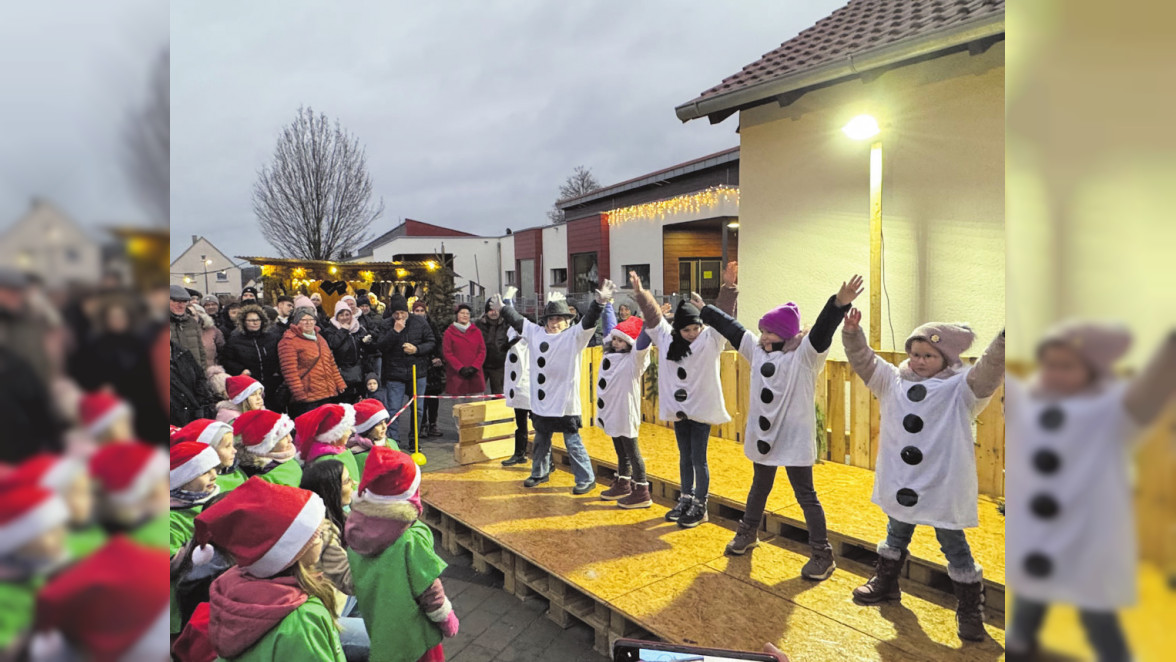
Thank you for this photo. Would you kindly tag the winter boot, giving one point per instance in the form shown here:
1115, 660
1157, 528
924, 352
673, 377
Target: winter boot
970, 609
695, 516
533, 480
684, 502
620, 489
638, 498
513, 460
746, 537
820, 564
884, 584
434, 432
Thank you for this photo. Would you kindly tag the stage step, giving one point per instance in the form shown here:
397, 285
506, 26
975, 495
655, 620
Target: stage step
631, 573
855, 523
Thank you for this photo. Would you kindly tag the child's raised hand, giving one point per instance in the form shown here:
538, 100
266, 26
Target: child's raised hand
853, 319
731, 273
849, 291
634, 281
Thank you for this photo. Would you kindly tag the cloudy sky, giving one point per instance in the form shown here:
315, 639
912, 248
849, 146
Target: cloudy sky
73, 72
472, 113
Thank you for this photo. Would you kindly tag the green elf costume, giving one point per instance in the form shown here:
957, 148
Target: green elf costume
368, 414
260, 432
68, 478
189, 459
127, 474
395, 570
262, 613
214, 434
322, 433
27, 512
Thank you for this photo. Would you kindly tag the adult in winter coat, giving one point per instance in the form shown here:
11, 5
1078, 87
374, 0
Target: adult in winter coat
465, 354
493, 330
308, 367
253, 346
185, 328
228, 317
190, 396
210, 335
406, 341
435, 384
350, 343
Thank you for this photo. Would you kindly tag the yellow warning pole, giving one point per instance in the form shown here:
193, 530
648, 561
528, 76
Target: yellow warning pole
417, 455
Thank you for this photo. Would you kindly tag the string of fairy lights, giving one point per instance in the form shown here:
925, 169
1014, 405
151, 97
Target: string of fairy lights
690, 203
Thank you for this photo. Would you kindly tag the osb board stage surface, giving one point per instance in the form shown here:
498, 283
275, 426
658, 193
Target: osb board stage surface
844, 492
677, 583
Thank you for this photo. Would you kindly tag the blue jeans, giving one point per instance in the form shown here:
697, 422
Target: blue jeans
353, 635
693, 471
952, 542
581, 464
398, 393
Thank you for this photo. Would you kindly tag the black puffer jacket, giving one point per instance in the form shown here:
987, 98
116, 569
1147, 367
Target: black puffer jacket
494, 333
256, 352
347, 347
398, 365
191, 397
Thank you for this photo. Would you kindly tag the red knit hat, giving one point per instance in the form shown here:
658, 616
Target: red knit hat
327, 424
389, 475
99, 409
368, 414
261, 429
190, 459
627, 330
194, 644
26, 512
47, 470
112, 605
126, 471
263, 526
241, 387
202, 430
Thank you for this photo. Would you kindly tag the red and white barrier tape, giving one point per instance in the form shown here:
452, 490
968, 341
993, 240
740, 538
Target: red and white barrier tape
393, 418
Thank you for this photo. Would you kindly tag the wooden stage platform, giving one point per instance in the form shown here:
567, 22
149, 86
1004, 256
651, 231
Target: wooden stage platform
631, 573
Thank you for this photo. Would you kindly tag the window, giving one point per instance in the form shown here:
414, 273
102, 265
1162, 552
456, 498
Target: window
510, 278
559, 277
72, 255
222, 276
642, 272
585, 277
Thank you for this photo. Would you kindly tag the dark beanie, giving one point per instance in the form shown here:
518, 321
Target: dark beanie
685, 315
397, 303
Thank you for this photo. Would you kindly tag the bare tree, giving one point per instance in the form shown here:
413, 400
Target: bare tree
147, 156
313, 201
578, 183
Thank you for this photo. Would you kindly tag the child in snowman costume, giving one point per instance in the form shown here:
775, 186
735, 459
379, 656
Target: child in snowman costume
690, 393
926, 470
618, 406
781, 422
517, 391
1071, 525
556, 348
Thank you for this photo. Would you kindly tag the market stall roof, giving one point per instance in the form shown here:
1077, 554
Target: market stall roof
429, 265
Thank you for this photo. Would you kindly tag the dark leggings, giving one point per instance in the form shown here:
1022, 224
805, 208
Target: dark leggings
692, 468
521, 432
629, 457
1102, 630
801, 479
430, 414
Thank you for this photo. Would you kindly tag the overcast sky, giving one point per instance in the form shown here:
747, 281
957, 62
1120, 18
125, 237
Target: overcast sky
471, 118
73, 72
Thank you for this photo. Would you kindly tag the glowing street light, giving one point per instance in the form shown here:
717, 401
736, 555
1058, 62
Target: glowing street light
862, 127
865, 127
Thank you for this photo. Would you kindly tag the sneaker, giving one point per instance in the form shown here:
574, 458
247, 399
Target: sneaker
533, 481
513, 460
684, 502
620, 489
695, 516
820, 564
583, 489
638, 498
746, 537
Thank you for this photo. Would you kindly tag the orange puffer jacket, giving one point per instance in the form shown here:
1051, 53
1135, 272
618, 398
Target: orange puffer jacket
297, 354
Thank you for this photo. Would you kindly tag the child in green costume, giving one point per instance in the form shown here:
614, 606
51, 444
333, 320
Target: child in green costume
193, 483
266, 449
67, 476
219, 436
371, 430
133, 492
321, 435
32, 545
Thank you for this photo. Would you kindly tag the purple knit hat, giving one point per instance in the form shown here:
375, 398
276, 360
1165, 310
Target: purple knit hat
783, 321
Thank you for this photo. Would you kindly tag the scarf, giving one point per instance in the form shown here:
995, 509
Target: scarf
319, 449
279, 458
231, 468
789, 345
181, 498
679, 347
309, 336
359, 444
904, 371
462, 327
353, 328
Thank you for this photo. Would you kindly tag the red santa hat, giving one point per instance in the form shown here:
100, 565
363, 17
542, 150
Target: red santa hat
126, 472
264, 526
26, 512
389, 476
203, 431
327, 424
190, 459
112, 605
261, 429
627, 330
241, 387
47, 470
368, 414
194, 644
99, 409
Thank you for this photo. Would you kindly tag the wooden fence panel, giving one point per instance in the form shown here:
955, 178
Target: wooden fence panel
835, 415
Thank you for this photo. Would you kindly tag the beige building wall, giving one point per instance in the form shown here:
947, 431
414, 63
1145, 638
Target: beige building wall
804, 197
222, 277
49, 244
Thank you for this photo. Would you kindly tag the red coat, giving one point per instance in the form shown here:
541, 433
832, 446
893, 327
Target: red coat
464, 350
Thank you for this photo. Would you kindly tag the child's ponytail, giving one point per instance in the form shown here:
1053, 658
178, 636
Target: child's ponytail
316, 585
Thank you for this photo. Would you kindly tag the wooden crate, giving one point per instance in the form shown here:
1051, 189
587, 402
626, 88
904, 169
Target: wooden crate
485, 431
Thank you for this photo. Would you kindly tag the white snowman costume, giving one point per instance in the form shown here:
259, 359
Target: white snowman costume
782, 420
1071, 520
554, 365
516, 373
619, 391
690, 388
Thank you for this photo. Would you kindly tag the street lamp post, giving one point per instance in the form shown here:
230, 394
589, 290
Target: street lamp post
865, 127
207, 263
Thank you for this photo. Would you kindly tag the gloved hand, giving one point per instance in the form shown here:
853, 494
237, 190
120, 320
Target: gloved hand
697, 300
449, 626
496, 302
510, 293
468, 371
607, 291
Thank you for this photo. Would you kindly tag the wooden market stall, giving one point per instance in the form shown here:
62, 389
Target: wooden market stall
334, 280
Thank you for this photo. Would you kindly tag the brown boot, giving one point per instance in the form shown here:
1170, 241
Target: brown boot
884, 584
638, 498
620, 489
970, 610
745, 538
820, 564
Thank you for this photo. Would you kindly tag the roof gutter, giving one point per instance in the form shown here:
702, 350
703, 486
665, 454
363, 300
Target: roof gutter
854, 64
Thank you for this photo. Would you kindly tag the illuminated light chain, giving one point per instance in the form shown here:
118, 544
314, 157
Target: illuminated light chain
692, 203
